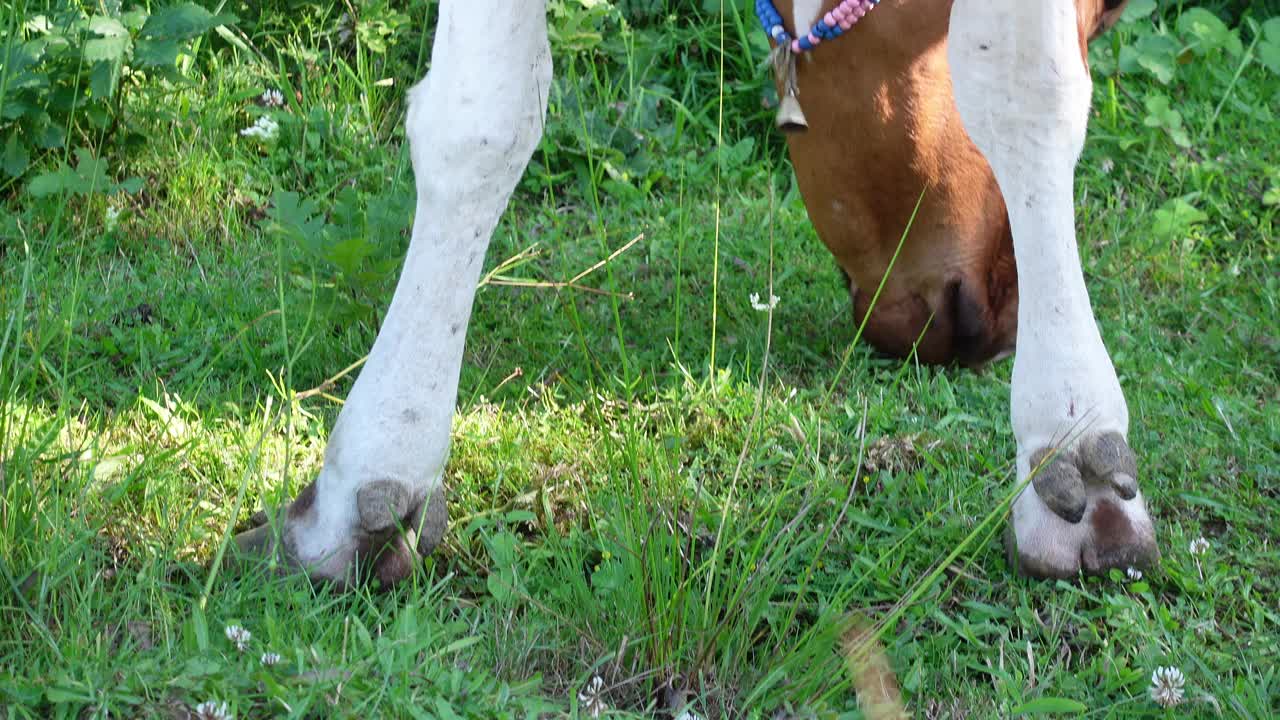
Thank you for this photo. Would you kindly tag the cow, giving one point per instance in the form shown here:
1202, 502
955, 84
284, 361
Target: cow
981, 105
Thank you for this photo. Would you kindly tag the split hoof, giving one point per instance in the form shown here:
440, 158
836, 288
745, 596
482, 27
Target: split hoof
391, 532
1083, 511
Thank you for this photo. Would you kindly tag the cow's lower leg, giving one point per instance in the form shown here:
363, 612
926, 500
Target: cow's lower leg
1023, 91
472, 126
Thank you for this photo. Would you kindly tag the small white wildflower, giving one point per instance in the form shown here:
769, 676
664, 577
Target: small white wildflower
113, 215
273, 98
1166, 686
755, 302
238, 636
592, 698
270, 658
213, 710
1199, 546
1133, 573
1107, 165
265, 128
688, 715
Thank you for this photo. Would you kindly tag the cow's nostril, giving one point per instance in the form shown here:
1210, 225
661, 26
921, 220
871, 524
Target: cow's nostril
978, 327
969, 322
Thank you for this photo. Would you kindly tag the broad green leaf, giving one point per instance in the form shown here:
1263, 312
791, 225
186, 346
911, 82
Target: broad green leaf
297, 220
1158, 55
106, 26
182, 22
199, 666
1271, 30
134, 19
92, 170
1175, 218
348, 254
152, 52
1160, 114
504, 549
1050, 706
49, 183
12, 110
503, 584
102, 80
89, 176
19, 57
1205, 32
1269, 55
106, 49
29, 81
16, 156
51, 135
1138, 10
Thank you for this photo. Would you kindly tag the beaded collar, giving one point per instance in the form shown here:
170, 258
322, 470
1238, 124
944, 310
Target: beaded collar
783, 58
829, 26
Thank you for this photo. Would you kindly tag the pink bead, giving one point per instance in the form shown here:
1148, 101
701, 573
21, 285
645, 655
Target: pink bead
830, 20
858, 12
814, 39
795, 47
846, 24
841, 11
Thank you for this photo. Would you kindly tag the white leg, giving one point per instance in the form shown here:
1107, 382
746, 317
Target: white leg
1023, 92
473, 123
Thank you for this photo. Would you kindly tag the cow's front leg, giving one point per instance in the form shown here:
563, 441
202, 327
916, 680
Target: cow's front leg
1023, 91
472, 126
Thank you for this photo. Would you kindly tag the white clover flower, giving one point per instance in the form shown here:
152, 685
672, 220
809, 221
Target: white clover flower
213, 710
1166, 686
1133, 573
1199, 546
112, 216
265, 129
270, 658
1107, 165
762, 307
238, 636
273, 98
592, 698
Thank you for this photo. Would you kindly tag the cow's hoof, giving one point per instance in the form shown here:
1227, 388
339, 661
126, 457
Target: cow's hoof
1083, 511
390, 531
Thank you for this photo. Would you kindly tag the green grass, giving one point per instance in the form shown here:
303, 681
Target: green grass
620, 507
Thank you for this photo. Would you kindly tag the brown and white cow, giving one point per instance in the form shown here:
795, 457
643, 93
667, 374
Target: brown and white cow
979, 104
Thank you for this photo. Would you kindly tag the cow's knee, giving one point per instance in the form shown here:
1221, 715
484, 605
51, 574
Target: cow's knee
475, 119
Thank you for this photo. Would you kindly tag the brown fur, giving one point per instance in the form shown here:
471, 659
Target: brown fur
884, 128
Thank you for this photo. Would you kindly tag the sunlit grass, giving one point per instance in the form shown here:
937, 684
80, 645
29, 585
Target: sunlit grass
692, 537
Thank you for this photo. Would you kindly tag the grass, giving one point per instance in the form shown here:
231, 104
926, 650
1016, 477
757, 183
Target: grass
695, 533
